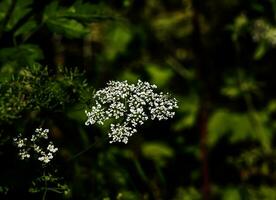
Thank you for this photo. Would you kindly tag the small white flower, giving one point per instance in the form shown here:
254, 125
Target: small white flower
21, 142
132, 104
120, 133
33, 138
23, 154
34, 145
37, 149
46, 159
52, 148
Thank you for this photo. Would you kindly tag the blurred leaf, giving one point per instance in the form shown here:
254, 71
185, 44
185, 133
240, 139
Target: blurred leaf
4, 7
231, 194
130, 76
159, 76
77, 113
264, 192
189, 107
87, 12
21, 55
260, 50
174, 23
169, 20
239, 85
68, 27
185, 122
231, 92
238, 127
127, 195
258, 7
223, 122
52, 11
238, 27
4, 190
22, 7
117, 38
72, 22
26, 29
189, 193
156, 151
271, 106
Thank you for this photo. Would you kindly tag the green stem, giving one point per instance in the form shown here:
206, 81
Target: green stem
87, 149
54, 190
254, 118
45, 186
140, 170
160, 173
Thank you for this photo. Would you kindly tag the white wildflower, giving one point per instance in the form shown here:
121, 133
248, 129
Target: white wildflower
96, 114
23, 154
52, 148
120, 132
20, 142
132, 104
35, 146
45, 158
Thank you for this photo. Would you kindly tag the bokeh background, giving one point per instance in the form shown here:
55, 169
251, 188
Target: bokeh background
216, 57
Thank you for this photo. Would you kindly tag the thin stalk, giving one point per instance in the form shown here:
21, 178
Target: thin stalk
86, 149
202, 64
160, 174
254, 118
45, 186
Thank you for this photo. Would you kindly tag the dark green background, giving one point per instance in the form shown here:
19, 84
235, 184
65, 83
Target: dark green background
217, 57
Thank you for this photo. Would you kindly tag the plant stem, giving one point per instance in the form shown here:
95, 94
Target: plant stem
203, 66
45, 186
98, 141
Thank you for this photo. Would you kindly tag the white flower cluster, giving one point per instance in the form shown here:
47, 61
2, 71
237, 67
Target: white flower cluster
132, 105
26, 146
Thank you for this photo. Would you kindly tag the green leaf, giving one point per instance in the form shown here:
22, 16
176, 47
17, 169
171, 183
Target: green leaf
22, 7
263, 192
4, 7
87, 13
73, 21
159, 76
76, 113
189, 107
239, 127
26, 29
117, 38
129, 75
236, 126
271, 106
188, 193
261, 50
231, 194
21, 55
82, 12
158, 152
68, 27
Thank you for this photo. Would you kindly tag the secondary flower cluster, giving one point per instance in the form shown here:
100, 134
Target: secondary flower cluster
131, 105
28, 146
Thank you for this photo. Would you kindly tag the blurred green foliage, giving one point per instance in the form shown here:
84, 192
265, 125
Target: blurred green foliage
216, 57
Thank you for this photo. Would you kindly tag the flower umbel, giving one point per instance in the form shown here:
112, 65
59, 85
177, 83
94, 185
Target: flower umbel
131, 105
36, 146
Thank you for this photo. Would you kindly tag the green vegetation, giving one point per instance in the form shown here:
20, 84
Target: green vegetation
215, 57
